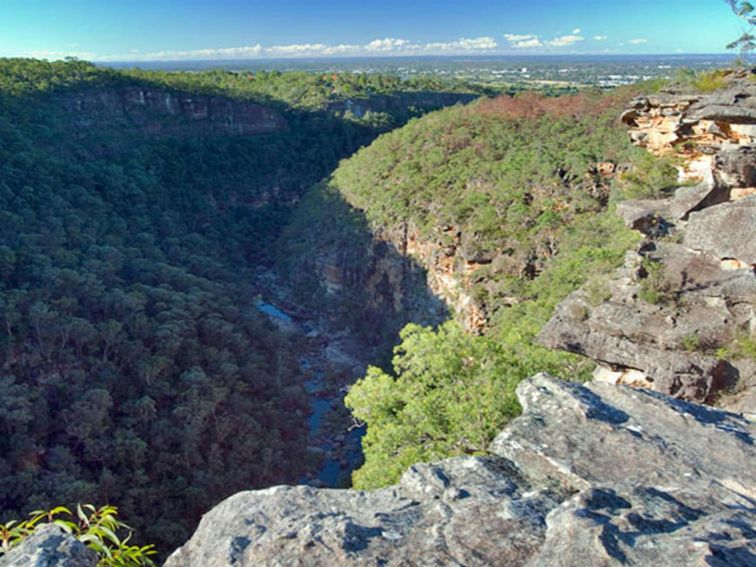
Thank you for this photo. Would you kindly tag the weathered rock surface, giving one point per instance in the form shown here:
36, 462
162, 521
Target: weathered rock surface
688, 293
727, 231
590, 474
49, 546
160, 112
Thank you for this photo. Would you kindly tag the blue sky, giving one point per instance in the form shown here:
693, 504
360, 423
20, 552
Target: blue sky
228, 29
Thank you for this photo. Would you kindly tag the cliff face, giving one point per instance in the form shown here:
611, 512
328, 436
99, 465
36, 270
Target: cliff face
409, 276
680, 314
588, 475
423, 101
159, 112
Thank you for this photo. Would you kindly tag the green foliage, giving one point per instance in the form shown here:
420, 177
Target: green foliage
651, 177
707, 82
691, 342
654, 288
744, 10
98, 528
702, 81
135, 366
450, 394
744, 346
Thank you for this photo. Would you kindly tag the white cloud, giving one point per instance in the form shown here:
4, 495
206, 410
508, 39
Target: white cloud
297, 49
341, 49
576, 31
523, 41
478, 43
565, 40
529, 40
381, 46
377, 47
637, 41
518, 36
388, 44
528, 43
58, 55
244, 52
461, 45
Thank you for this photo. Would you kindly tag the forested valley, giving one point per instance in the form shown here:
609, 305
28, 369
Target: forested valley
136, 208
134, 367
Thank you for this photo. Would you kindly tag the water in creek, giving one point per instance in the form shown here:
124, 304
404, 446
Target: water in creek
342, 450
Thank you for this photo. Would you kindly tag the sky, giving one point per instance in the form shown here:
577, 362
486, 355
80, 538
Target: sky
150, 30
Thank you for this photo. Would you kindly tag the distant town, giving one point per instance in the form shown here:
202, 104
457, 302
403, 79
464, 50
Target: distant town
558, 71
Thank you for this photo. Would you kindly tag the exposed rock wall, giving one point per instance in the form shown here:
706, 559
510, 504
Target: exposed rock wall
422, 100
589, 475
685, 298
414, 278
160, 112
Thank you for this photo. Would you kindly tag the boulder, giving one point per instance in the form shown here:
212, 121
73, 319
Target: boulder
737, 166
726, 231
589, 475
49, 546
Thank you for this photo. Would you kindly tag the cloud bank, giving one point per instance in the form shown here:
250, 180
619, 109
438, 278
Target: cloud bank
387, 46
381, 46
532, 41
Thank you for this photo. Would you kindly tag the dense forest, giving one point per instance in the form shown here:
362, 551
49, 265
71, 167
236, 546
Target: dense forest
135, 369
521, 180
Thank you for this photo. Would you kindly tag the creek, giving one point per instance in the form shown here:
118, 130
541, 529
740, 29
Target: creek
329, 367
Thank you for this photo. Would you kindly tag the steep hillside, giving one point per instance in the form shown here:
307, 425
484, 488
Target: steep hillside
501, 209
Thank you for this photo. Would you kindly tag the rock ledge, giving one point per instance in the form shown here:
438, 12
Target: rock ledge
591, 474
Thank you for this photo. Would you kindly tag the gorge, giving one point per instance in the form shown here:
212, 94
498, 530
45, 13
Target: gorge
231, 280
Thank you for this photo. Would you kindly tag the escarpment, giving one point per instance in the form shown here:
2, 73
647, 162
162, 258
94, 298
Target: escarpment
139, 215
485, 199
679, 316
498, 211
161, 112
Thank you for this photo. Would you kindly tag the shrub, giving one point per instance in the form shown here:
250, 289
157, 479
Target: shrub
97, 528
650, 177
744, 346
691, 342
709, 81
653, 287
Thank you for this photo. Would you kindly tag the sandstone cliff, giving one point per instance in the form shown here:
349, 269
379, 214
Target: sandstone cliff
160, 112
680, 316
588, 475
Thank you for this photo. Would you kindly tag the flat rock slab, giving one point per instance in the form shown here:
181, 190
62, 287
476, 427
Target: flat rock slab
588, 475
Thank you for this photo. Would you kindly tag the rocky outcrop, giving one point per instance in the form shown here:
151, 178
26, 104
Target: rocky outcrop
672, 317
418, 278
590, 474
422, 101
160, 112
49, 546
